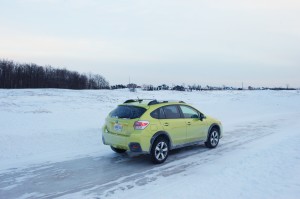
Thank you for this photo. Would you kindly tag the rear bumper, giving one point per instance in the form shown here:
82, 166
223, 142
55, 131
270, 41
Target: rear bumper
136, 142
135, 147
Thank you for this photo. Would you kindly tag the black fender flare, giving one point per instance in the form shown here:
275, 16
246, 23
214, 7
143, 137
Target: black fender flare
212, 126
157, 134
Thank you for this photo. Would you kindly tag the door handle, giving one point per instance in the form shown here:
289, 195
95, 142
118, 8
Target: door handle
166, 124
188, 123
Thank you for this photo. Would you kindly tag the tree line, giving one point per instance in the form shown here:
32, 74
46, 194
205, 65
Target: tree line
15, 75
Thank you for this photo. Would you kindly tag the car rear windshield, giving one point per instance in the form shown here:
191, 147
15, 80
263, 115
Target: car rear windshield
129, 112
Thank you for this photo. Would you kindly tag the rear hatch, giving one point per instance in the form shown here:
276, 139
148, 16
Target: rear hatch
121, 120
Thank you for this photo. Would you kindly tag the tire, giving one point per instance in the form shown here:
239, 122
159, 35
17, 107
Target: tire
213, 138
118, 150
160, 150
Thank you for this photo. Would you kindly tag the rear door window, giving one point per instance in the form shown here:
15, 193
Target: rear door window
158, 114
171, 112
128, 112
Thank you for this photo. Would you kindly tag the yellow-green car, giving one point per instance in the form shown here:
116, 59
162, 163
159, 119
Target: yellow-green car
156, 127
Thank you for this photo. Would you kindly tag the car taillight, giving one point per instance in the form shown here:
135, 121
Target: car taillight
140, 125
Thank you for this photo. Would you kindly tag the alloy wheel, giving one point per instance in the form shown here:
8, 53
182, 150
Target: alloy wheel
161, 151
214, 138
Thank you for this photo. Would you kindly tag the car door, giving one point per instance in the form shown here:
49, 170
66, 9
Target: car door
174, 124
196, 128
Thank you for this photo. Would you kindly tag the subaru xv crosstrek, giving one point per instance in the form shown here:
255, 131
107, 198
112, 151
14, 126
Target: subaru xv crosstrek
156, 127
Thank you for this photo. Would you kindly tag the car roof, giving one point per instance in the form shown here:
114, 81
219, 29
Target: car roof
146, 103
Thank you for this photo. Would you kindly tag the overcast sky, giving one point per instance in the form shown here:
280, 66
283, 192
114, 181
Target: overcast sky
215, 42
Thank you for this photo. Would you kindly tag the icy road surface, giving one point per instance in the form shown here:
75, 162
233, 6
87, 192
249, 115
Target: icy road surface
259, 156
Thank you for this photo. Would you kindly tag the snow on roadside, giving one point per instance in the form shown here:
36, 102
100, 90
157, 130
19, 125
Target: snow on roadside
50, 125
264, 168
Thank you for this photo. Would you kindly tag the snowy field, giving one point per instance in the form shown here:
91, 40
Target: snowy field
50, 147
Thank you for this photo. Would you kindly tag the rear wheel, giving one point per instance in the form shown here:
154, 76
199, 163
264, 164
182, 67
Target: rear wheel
213, 138
160, 150
118, 150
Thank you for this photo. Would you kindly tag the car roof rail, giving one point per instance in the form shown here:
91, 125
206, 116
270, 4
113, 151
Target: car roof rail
138, 100
174, 101
151, 101
129, 101
165, 101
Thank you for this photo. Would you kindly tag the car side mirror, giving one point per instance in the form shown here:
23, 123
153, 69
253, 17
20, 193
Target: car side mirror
202, 116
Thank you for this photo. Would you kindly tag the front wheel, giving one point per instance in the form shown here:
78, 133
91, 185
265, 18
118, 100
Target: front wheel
213, 138
118, 150
159, 150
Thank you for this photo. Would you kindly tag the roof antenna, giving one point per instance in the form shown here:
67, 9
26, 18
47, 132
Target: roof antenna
139, 100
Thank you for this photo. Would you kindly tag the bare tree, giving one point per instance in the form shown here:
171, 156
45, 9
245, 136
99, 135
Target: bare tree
13, 75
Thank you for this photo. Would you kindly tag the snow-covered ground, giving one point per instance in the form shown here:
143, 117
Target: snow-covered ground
52, 137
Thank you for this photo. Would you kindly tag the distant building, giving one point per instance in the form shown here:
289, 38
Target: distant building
132, 87
163, 87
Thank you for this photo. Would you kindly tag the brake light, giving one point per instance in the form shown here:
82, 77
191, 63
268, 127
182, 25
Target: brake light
140, 125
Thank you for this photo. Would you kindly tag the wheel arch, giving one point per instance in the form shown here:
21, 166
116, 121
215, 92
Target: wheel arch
161, 134
214, 125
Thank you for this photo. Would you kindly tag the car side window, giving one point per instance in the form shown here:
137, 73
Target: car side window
155, 114
189, 112
158, 114
171, 112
